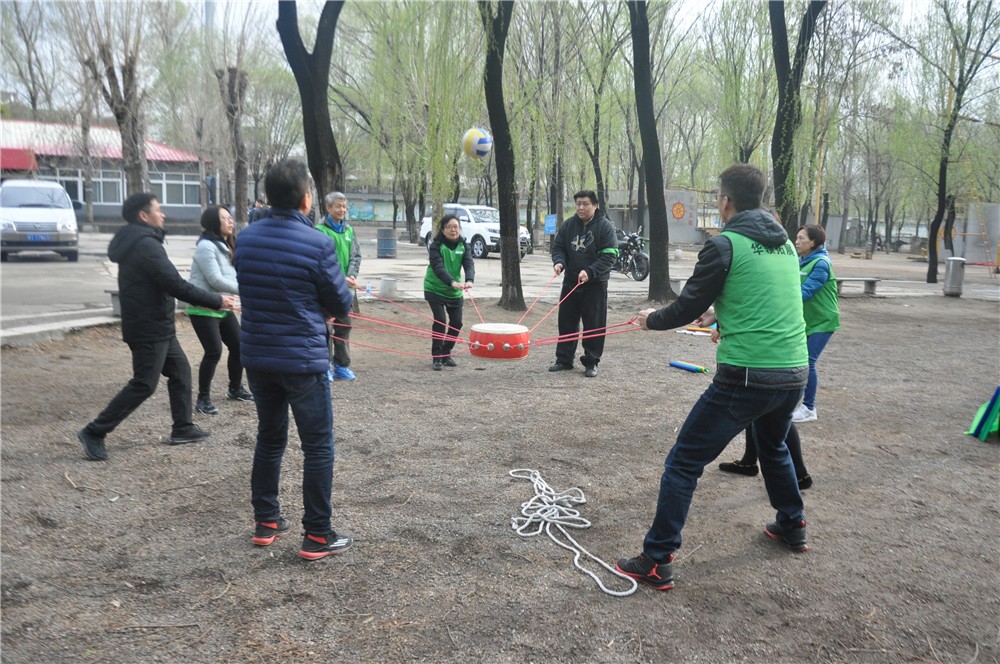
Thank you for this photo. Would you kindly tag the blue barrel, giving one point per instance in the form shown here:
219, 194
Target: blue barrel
386, 243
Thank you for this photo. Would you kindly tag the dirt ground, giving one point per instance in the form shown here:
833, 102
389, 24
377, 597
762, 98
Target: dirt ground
147, 558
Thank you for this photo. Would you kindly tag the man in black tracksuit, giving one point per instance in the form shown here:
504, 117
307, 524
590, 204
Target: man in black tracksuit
584, 249
147, 285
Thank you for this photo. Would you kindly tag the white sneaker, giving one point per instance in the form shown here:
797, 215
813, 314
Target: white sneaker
804, 414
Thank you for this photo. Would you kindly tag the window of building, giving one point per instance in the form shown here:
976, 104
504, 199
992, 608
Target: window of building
176, 188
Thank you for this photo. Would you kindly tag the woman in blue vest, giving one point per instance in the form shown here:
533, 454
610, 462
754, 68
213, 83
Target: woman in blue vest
444, 288
212, 269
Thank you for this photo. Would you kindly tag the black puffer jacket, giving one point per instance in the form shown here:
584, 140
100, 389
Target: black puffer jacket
148, 283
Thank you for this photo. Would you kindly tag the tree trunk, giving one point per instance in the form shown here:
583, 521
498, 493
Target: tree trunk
233, 89
789, 115
659, 237
312, 75
496, 26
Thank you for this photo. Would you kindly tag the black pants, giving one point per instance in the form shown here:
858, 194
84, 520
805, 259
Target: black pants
149, 362
213, 333
589, 305
339, 348
793, 442
445, 333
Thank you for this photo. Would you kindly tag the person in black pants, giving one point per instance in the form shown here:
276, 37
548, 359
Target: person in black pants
449, 255
584, 249
748, 464
212, 269
147, 284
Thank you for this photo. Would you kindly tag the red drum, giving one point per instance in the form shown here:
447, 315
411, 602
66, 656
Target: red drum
499, 341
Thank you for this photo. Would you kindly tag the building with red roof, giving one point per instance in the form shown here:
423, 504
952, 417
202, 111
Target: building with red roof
54, 151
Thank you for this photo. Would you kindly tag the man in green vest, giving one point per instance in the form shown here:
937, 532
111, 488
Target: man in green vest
750, 273
334, 224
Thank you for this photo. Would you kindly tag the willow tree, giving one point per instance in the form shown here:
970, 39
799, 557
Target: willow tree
738, 43
496, 24
789, 116
312, 75
659, 236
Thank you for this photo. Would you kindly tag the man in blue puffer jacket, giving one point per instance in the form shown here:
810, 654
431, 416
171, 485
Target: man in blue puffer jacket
290, 283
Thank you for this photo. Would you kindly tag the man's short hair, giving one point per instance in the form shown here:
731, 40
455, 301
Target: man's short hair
286, 184
135, 204
586, 193
744, 185
333, 196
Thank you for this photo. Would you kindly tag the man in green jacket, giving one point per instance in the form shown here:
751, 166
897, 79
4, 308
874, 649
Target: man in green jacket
334, 224
750, 272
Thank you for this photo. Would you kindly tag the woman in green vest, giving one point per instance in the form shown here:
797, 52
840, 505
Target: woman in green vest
444, 290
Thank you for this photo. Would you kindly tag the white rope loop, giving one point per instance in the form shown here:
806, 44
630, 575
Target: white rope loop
548, 509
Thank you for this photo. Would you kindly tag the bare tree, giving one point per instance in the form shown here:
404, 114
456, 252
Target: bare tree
108, 42
789, 116
972, 29
659, 236
312, 74
23, 27
496, 22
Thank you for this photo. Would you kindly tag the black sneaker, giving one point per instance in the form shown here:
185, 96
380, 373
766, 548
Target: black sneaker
315, 547
191, 434
449, 362
239, 394
591, 372
738, 467
206, 407
794, 538
93, 445
805, 482
266, 532
659, 576
437, 364
559, 366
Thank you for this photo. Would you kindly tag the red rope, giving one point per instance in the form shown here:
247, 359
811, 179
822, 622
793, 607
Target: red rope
471, 299
578, 283
538, 298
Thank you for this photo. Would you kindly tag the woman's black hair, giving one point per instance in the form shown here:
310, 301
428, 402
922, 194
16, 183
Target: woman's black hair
440, 226
211, 223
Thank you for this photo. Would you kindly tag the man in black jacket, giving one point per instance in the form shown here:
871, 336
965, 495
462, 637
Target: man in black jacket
147, 285
585, 249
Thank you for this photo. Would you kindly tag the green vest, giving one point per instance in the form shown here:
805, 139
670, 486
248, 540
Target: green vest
760, 308
453, 264
342, 241
821, 311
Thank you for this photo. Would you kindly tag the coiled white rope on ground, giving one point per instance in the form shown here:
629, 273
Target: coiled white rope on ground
549, 510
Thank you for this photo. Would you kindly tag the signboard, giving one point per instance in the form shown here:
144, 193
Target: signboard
682, 207
550, 224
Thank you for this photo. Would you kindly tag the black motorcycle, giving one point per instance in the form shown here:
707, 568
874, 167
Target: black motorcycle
632, 259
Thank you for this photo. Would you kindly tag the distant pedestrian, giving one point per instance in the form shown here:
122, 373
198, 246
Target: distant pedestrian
147, 285
290, 281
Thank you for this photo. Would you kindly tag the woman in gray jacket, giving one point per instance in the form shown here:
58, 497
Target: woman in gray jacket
212, 269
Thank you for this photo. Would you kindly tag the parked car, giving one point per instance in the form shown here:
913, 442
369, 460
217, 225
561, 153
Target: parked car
480, 227
37, 215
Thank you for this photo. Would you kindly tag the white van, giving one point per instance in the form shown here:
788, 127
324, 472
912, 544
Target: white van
37, 215
480, 228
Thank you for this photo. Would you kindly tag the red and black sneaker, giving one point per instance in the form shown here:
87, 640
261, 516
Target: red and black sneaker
659, 576
315, 547
794, 536
267, 531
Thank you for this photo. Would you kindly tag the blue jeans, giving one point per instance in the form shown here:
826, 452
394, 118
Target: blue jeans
719, 415
309, 397
816, 343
